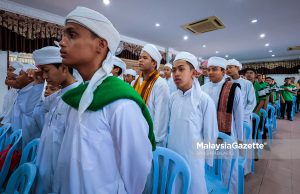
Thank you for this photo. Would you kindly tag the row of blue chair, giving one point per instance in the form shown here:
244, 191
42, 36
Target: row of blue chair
23, 177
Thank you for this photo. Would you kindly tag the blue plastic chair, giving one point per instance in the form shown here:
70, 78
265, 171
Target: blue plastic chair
257, 139
269, 123
14, 140
243, 159
265, 123
3, 134
213, 176
30, 151
21, 180
180, 166
293, 112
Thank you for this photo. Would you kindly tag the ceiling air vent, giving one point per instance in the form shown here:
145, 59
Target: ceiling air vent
294, 48
206, 25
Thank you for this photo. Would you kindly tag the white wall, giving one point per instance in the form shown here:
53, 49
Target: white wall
3, 68
279, 78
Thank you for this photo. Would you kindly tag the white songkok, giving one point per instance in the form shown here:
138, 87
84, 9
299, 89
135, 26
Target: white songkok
103, 28
130, 72
154, 53
17, 71
235, 63
168, 65
28, 66
192, 59
47, 55
17, 65
217, 61
97, 23
119, 63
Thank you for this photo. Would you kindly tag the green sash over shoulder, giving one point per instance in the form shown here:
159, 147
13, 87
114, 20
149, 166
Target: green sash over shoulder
111, 89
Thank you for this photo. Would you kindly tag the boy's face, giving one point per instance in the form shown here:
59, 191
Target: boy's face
182, 74
53, 75
128, 78
146, 63
167, 71
250, 75
204, 70
259, 78
10, 76
288, 81
215, 74
79, 46
50, 89
269, 81
232, 70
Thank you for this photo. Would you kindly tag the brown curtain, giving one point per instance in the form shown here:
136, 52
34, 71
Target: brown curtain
275, 67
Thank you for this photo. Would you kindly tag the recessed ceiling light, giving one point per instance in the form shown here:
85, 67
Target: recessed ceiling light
157, 24
270, 51
204, 46
185, 37
262, 35
226, 56
254, 21
106, 2
267, 44
217, 52
273, 55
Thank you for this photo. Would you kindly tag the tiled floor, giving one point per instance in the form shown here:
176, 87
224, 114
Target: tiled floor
280, 172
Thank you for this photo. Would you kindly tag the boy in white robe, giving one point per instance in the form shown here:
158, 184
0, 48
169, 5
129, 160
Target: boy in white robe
168, 77
249, 99
119, 68
106, 147
233, 127
129, 76
55, 73
192, 119
154, 90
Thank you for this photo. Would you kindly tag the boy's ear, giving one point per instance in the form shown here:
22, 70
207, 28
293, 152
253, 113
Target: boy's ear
194, 72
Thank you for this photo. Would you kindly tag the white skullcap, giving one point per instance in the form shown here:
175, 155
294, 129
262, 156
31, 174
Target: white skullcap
235, 63
119, 63
17, 64
192, 59
154, 53
28, 66
130, 72
47, 55
168, 65
217, 61
97, 23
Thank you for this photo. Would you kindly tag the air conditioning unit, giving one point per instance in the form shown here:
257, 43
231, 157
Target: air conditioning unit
205, 25
294, 48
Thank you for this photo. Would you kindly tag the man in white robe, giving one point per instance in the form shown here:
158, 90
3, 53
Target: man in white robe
105, 148
192, 119
249, 99
28, 97
216, 73
154, 90
119, 67
168, 77
11, 95
49, 61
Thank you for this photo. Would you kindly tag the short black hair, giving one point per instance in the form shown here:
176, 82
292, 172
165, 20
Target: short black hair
250, 69
57, 65
120, 70
269, 78
191, 66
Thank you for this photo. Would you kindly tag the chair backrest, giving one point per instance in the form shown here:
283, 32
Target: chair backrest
3, 133
14, 139
233, 156
179, 166
21, 180
264, 118
30, 151
257, 120
270, 109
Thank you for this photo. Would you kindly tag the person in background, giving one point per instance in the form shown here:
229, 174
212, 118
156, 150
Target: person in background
50, 89
286, 95
119, 67
129, 75
168, 77
203, 79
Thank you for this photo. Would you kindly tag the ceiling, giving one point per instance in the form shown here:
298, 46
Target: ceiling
279, 20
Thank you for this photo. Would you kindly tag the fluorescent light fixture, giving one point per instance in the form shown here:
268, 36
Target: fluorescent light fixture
185, 37
267, 44
226, 56
106, 2
262, 35
270, 51
254, 21
273, 55
157, 24
204, 46
217, 52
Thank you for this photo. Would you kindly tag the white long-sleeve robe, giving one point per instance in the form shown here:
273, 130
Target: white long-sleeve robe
237, 131
171, 84
22, 118
159, 110
51, 138
8, 104
249, 100
193, 119
109, 152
